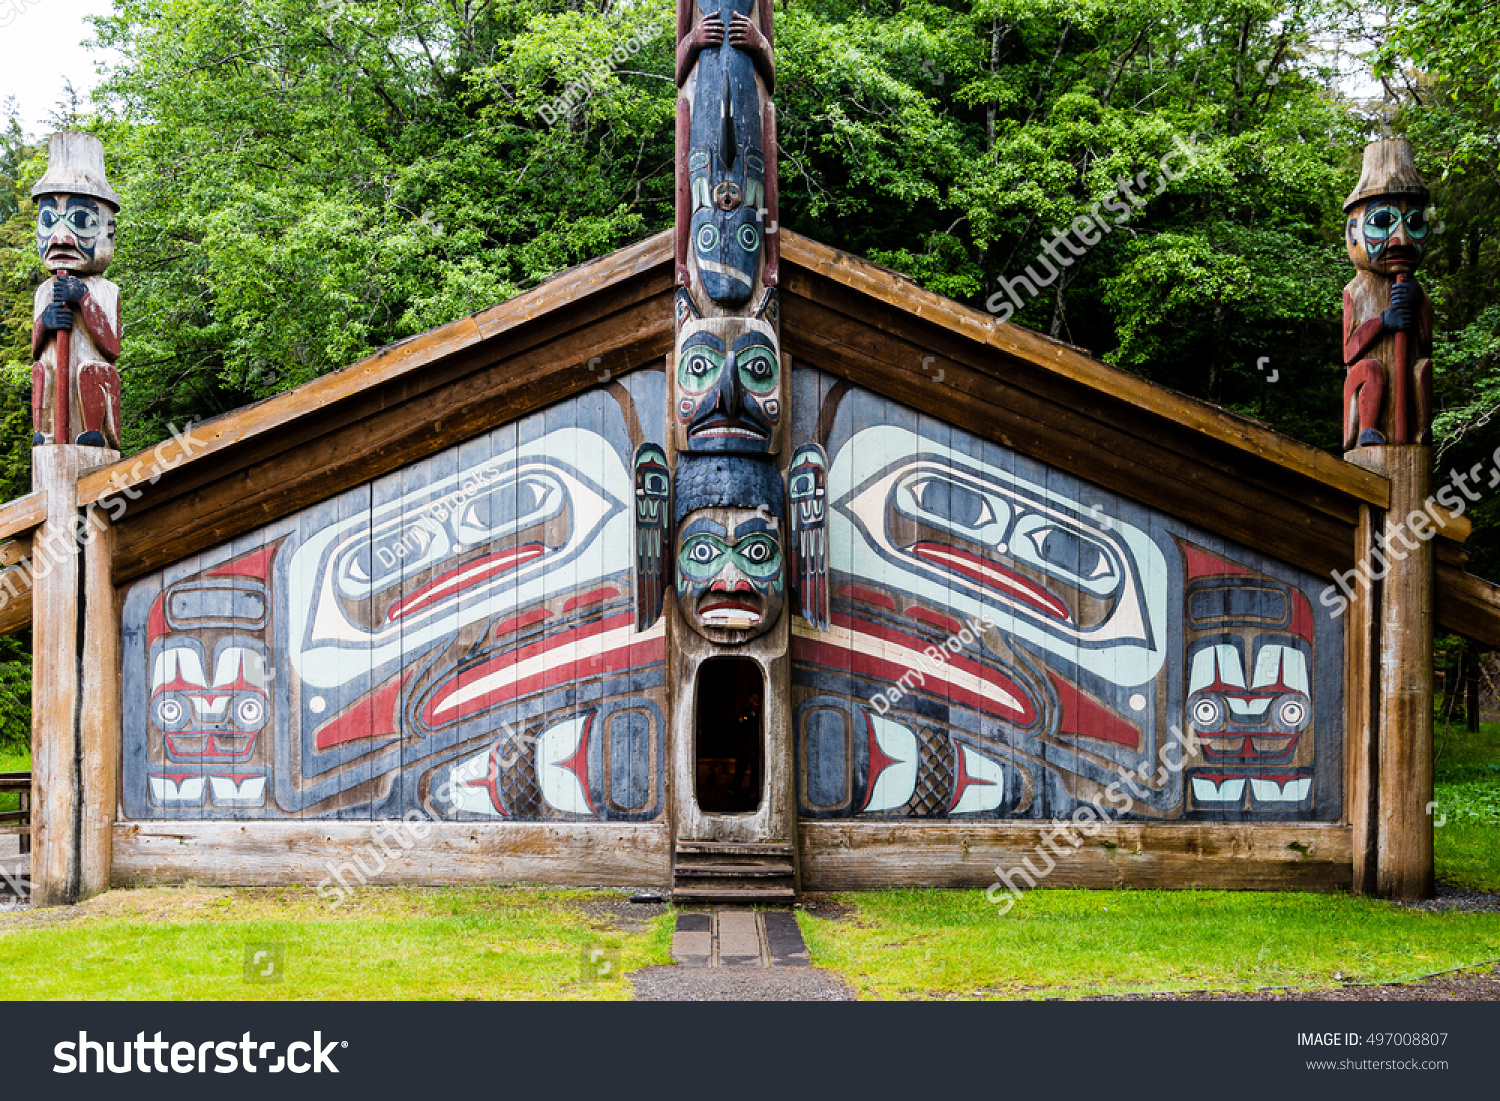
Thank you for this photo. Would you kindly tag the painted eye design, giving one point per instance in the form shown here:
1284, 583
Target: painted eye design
169, 713
698, 366
708, 238
250, 713
758, 370
1417, 224
1381, 222
48, 218
758, 551
702, 553
749, 238
1069, 554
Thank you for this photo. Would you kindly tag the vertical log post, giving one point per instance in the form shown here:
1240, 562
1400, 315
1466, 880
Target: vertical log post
75, 691
1402, 666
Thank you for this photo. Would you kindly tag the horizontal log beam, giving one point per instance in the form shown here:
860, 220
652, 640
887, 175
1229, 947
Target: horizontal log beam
1238, 432
307, 853
392, 364
844, 856
21, 515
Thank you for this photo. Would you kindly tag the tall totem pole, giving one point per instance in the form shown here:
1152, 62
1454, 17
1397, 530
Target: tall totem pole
1387, 418
75, 408
75, 334
712, 524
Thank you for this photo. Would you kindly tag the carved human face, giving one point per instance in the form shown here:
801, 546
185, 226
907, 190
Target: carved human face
727, 387
75, 234
729, 573
1387, 235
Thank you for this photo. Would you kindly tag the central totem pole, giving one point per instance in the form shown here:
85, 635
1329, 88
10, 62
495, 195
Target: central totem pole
1387, 418
712, 527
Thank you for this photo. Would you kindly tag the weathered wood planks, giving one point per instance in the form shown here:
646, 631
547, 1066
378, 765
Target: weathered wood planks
308, 852
852, 856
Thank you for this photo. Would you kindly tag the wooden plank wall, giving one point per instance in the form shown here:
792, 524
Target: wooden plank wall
844, 856
331, 854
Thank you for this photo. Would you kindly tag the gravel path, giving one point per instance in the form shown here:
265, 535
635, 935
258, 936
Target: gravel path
739, 984
1484, 987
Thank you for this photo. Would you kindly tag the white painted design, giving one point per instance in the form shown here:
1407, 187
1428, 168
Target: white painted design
248, 792
1224, 791
356, 558
469, 789
1129, 565
1137, 702
988, 792
897, 781
561, 786
1269, 791
187, 791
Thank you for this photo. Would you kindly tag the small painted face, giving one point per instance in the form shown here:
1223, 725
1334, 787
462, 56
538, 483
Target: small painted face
1387, 235
727, 242
74, 234
729, 573
728, 388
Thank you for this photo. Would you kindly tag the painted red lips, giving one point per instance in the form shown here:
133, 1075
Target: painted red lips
994, 576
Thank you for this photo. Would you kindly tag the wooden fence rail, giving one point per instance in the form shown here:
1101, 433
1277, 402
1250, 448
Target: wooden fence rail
17, 821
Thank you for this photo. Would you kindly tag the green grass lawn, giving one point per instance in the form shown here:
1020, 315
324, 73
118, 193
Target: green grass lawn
385, 943
923, 943
13, 760
1467, 790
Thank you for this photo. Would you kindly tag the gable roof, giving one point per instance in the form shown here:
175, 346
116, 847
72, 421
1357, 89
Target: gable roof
864, 324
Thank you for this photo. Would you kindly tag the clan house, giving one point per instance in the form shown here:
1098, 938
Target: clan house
732, 565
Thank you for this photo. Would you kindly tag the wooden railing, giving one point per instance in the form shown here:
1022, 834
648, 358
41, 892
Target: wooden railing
17, 821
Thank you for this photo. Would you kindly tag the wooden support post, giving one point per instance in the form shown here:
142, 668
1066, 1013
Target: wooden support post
1362, 707
1404, 635
75, 690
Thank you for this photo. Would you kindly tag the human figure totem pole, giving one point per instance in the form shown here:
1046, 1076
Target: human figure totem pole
712, 524
1387, 315
1387, 418
75, 334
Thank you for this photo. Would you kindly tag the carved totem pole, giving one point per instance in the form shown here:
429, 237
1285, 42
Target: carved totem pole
1387, 316
711, 508
1387, 418
75, 335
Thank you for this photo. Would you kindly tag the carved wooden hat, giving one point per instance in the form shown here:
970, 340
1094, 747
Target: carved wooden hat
726, 481
75, 166
1388, 170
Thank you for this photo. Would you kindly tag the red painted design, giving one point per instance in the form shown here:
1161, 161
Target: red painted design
578, 764
372, 716
993, 576
519, 623
454, 581
868, 596
937, 619
156, 622
1085, 717
631, 655
1201, 563
256, 564
1302, 617
962, 781
860, 658
879, 760
598, 596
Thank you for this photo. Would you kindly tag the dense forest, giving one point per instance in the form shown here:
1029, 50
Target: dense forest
306, 180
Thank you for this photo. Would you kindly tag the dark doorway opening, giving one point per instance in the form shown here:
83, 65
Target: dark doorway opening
731, 720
